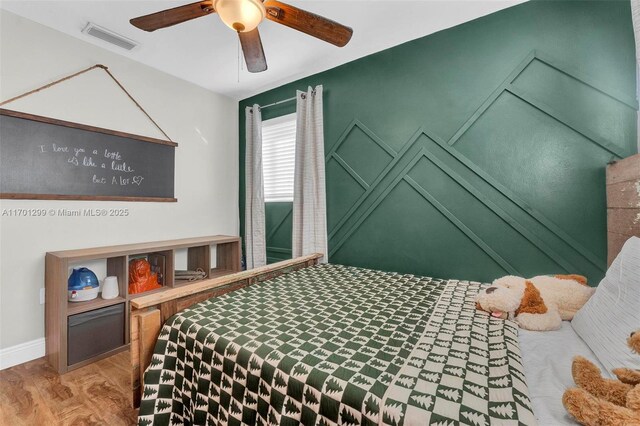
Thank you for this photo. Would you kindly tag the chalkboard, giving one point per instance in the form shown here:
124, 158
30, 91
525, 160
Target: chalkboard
45, 158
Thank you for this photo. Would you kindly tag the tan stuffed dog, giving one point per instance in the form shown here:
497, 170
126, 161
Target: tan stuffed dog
605, 402
539, 303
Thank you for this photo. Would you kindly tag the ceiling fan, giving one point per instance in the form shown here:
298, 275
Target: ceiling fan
244, 16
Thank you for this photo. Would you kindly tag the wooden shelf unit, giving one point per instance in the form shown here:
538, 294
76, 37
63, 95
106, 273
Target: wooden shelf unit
57, 269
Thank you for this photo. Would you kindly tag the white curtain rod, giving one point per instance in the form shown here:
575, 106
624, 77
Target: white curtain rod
278, 103
282, 101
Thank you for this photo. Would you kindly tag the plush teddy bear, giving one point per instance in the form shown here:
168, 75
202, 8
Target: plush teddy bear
605, 402
539, 303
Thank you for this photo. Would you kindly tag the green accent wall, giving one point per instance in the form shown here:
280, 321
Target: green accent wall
478, 151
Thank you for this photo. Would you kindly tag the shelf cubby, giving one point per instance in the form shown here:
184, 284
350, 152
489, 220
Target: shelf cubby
165, 278
198, 258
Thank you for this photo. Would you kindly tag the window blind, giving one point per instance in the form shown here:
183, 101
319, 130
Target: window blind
278, 157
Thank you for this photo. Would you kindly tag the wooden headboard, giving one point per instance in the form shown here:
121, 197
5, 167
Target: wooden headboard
623, 203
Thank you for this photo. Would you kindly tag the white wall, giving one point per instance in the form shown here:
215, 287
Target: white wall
206, 176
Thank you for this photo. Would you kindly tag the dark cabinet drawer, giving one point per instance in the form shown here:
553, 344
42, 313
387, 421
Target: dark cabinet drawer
95, 332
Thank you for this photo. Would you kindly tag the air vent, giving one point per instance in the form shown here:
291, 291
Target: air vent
109, 36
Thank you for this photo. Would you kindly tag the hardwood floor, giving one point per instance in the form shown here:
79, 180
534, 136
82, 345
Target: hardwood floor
98, 394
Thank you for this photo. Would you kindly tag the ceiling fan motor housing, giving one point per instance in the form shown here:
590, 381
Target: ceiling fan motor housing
240, 15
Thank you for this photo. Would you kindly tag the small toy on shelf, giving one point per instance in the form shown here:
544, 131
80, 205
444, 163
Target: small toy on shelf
141, 278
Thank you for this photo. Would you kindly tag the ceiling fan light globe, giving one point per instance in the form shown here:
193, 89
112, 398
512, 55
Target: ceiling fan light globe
240, 15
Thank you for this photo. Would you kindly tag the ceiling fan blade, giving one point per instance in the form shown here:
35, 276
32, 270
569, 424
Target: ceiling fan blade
308, 23
176, 15
253, 52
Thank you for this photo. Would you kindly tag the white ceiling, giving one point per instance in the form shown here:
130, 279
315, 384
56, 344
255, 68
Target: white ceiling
204, 51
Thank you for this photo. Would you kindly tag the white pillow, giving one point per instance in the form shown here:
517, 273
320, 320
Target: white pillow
613, 312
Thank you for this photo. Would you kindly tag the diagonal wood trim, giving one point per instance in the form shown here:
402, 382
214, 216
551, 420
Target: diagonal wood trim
375, 183
375, 203
508, 219
342, 138
347, 168
374, 138
539, 217
402, 175
492, 97
461, 226
507, 85
564, 120
512, 222
277, 227
576, 74
510, 195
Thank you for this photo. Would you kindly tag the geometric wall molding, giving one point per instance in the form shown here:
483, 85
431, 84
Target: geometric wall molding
368, 171
510, 85
420, 146
279, 224
514, 118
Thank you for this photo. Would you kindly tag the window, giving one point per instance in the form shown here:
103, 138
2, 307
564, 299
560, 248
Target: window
278, 157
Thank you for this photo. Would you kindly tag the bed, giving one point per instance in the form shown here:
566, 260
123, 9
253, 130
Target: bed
298, 342
331, 344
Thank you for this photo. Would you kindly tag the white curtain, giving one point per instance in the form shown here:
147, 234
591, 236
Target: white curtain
309, 194
635, 17
254, 227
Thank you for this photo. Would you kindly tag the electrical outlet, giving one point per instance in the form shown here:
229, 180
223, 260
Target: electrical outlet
42, 296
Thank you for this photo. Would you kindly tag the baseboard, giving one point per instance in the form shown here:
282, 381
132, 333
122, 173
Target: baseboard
21, 353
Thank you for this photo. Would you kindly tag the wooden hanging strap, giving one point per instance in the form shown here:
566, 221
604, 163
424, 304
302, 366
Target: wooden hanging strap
69, 77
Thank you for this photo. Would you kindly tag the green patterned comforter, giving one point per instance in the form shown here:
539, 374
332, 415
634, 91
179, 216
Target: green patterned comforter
338, 345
